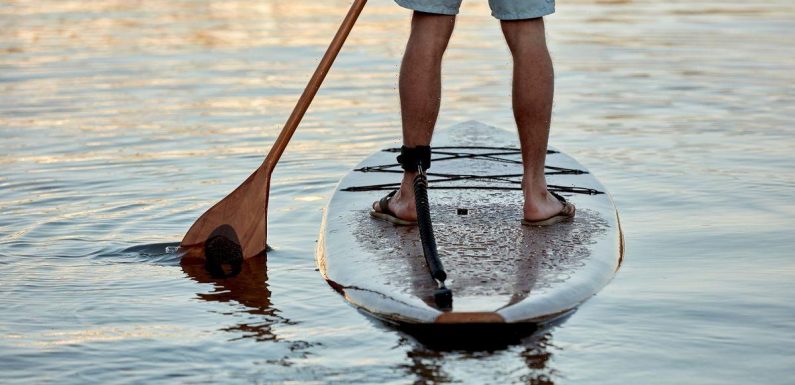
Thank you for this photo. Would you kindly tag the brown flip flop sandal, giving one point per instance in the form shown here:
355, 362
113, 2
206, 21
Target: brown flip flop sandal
385, 214
566, 213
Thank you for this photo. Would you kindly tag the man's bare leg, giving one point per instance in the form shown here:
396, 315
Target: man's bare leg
533, 89
420, 95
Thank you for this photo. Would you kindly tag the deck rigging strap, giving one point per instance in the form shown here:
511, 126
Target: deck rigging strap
495, 154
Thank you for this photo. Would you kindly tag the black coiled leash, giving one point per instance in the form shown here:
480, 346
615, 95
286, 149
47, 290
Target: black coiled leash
419, 159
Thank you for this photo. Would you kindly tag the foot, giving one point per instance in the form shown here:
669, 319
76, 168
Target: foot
400, 206
546, 208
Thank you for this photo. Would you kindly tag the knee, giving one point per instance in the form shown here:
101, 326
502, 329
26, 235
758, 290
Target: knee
431, 32
524, 35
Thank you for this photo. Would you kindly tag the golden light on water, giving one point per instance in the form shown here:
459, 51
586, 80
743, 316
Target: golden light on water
121, 121
55, 339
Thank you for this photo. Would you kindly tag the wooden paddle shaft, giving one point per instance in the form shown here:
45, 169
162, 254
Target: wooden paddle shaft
314, 85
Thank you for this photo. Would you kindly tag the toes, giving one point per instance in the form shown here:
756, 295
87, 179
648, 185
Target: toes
569, 209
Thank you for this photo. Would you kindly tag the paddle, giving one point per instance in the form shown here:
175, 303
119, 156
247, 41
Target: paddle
236, 227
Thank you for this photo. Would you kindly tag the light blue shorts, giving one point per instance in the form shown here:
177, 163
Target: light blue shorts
501, 9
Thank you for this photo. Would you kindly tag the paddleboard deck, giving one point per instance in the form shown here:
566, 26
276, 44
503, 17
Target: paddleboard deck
499, 270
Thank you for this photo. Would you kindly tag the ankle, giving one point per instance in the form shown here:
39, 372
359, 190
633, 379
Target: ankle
407, 184
535, 191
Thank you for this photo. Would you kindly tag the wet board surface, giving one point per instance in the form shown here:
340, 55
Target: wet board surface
499, 271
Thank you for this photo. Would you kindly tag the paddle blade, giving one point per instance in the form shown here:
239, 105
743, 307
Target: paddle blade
243, 214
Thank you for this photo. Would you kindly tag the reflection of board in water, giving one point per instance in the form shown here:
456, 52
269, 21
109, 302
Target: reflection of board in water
499, 270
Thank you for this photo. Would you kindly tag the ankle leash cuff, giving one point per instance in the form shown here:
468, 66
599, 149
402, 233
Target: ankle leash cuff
410, 157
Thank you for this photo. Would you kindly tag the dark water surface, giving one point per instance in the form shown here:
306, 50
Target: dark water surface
122, 121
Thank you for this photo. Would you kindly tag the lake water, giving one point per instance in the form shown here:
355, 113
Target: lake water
123, 121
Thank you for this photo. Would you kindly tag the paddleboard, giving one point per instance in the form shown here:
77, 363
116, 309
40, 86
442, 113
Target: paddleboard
500, 272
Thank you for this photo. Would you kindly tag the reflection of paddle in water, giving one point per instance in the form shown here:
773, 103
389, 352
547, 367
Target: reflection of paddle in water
248, 288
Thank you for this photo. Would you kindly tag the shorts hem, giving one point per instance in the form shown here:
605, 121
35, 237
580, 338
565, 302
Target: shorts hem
534, 14
408, 4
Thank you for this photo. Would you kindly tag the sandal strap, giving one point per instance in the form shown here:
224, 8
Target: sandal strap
559, 197
567, 206
383, 204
